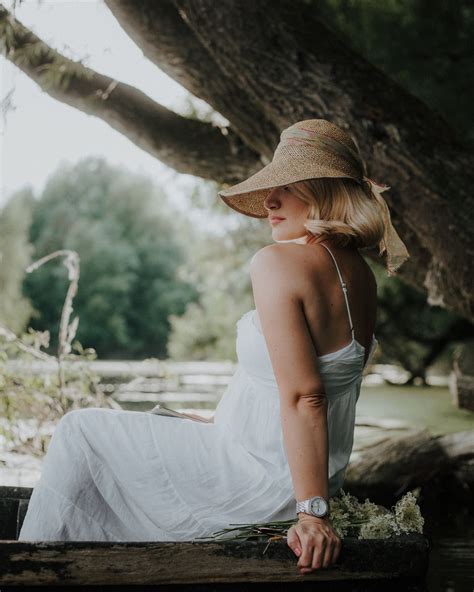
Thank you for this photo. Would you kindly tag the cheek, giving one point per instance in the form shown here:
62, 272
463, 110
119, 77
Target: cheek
300, 210
299, 207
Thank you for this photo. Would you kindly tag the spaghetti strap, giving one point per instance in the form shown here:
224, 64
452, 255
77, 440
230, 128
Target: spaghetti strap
344, 287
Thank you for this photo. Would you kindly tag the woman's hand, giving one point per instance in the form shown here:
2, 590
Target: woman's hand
315, 542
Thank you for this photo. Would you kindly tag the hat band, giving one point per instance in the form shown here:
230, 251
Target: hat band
391, 243
303, 136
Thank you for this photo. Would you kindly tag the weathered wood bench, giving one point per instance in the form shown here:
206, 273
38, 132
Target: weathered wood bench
364, 565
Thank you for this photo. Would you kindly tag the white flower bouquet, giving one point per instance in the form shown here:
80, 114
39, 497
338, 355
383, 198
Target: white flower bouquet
349, 517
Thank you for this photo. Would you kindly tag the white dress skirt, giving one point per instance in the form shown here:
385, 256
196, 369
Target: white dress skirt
112, 475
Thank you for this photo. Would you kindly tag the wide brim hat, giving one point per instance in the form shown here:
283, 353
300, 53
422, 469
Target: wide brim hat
313, 148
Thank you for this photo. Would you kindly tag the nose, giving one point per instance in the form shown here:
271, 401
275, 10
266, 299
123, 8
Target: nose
271, 199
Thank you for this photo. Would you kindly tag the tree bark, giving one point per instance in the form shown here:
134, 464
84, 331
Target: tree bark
415, 459
165, 39
264, 66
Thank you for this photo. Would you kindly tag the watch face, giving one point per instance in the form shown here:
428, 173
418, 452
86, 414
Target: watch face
318, 506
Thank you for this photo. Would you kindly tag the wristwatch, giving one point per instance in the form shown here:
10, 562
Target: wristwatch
314, 506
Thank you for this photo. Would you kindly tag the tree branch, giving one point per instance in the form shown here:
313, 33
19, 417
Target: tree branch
187, 145
166, 40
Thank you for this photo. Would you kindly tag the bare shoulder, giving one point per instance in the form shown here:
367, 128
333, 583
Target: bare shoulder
279, 265
302, 269
278, 259
291, 258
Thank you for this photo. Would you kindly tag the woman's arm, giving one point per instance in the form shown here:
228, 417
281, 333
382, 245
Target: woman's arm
303, 403
305, 434
276, 283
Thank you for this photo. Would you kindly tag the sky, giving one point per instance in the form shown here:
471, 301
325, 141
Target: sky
38, 132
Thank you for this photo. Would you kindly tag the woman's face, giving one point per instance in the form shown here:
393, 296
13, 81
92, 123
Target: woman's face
282, 203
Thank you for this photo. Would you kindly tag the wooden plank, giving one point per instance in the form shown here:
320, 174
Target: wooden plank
12, 492
10, 500
453, 555
404, 558
8, 518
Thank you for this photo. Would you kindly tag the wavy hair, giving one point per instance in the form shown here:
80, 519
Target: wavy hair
342, 209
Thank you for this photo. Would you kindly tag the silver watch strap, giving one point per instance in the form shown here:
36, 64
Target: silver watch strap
304, 506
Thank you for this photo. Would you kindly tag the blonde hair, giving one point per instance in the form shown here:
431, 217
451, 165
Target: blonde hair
342, 209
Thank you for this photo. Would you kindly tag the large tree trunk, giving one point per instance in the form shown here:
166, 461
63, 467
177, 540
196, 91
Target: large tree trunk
263, 66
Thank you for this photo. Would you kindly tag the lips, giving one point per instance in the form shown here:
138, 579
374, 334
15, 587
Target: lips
274, 218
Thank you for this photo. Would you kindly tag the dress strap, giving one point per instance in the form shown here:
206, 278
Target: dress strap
344, 287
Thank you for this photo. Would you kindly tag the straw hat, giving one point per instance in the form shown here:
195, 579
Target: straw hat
308, 149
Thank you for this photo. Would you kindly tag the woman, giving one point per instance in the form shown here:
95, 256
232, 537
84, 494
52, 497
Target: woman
283, 429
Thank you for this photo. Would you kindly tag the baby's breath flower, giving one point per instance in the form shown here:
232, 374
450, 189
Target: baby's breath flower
351, 505
369, 510
382, 526
341, 521
408, 515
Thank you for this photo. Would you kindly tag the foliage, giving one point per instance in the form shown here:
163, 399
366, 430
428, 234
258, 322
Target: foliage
39, 398
15, 253
131, 249
412, 333
430, 51
219, 268
30, 402
54, 70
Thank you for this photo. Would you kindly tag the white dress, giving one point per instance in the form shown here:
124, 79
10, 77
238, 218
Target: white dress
112, 475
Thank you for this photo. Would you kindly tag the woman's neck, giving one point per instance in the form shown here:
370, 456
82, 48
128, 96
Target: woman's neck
301, 239
308, 240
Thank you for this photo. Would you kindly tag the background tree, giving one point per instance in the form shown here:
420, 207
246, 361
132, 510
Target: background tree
219, 268
413, 335
15, 255
131, 248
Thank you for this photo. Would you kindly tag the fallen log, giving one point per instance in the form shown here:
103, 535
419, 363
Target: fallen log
441, 464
